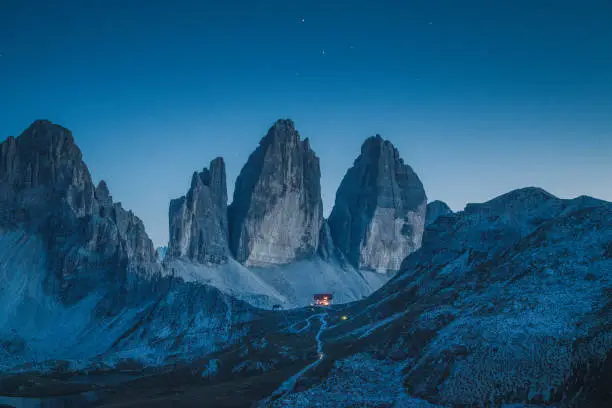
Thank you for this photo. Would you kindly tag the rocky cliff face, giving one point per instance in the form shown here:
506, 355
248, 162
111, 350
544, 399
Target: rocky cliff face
160, 253
379, 213
276, 214
436, 209
326, 242
198, 220
46, 189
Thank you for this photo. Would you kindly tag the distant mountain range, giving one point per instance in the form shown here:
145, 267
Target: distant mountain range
506, 302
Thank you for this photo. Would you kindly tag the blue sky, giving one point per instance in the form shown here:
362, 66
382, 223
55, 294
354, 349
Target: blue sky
480, 97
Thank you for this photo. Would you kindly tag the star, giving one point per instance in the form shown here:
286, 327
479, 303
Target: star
323, 52
302, 20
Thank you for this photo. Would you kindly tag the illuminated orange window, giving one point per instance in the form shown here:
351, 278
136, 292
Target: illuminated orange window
323, 299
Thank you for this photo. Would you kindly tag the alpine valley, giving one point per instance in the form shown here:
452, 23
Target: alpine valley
507, 303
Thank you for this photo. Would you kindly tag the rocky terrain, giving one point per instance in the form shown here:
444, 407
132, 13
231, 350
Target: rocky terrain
198, 221
379, 213
507, 303
276, 214
160, 253
436, 209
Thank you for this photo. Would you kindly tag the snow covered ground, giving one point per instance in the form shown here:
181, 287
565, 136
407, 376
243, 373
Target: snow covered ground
231, 278
289, 285
34, 326
156, 319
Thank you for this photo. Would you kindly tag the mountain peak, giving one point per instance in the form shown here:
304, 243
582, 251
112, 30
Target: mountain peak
198, 220
521, 195
282, 131
44, 123
43, 126
276, 213
43, 175
379, 213
284, 123
436, 209
375, 147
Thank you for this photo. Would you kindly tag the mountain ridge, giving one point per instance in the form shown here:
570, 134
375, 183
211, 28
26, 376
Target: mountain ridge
521, 281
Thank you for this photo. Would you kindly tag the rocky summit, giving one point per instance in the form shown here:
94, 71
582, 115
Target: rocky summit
198, 220
277, 213
436, 209
379, 213
46, 189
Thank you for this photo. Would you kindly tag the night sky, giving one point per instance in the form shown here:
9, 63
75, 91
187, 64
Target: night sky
480, 97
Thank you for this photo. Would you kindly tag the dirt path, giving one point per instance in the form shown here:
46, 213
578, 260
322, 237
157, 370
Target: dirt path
289, 384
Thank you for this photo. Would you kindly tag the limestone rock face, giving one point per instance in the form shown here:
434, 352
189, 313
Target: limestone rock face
198, 220
379, 213
46, 188
160, 253
326, 242
436, 209
277, 213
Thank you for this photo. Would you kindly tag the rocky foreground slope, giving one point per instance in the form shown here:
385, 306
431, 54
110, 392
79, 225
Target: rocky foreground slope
508, 301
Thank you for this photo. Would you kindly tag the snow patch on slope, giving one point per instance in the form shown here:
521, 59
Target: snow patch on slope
34, 326
289, 285
160, 317
231, 278
300, 280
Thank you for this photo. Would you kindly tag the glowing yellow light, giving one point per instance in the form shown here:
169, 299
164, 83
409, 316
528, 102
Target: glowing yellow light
344, 317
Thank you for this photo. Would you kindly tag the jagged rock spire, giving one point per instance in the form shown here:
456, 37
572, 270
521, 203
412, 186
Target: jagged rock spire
379, 213
198, 220
276, 214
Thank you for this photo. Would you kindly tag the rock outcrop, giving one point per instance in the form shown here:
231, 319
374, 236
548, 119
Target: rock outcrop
277, 213
379, 212
46, 189
160, 253
436, 209
326, 242
198, 220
